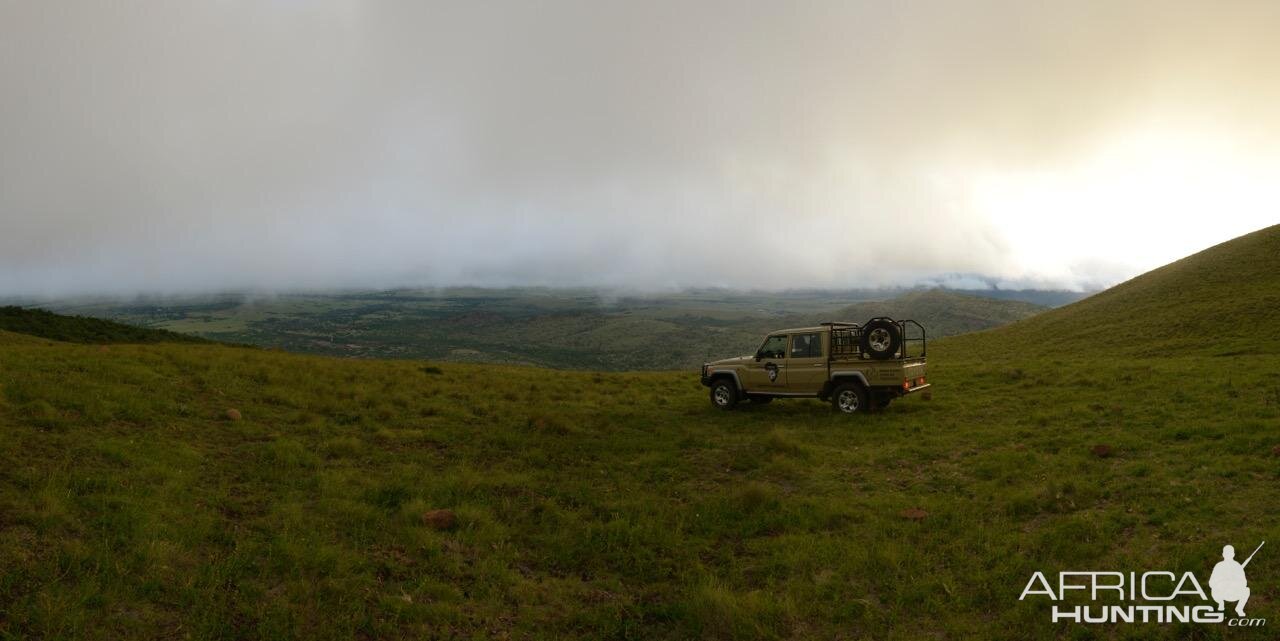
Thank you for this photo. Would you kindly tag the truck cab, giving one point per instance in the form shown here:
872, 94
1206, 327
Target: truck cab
857, 367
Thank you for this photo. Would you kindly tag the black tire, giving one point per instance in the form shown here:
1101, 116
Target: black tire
849, 398
761, 400
881, 338
724, 393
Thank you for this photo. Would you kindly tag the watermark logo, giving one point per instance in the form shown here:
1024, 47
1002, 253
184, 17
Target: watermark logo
1228, 582
1149, 597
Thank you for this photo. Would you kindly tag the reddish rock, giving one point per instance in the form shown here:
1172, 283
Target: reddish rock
1101, 451
440, 519
1275, 451
233, 414
913, 514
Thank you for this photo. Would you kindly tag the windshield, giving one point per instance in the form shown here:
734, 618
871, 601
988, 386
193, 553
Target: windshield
774, 347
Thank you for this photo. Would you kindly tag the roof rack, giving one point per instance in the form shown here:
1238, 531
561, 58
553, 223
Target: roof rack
846, 338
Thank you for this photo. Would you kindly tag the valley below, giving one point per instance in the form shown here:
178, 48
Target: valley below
567, 329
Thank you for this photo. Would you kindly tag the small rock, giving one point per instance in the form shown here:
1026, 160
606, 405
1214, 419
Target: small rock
440, 519
1101, 451
233, 414
913, 513
103, 348
1275, 451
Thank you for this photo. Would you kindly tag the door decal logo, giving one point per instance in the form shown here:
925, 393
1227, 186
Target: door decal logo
772, 371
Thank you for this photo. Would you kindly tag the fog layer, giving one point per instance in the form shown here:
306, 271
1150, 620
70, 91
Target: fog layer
196, 146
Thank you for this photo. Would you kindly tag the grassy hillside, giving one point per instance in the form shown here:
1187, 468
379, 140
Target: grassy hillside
11, 338
82, 329
1222, 301
613, 506
552, 328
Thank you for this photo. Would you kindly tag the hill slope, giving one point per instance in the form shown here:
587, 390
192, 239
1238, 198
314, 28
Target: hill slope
598, 505
82, 329
1221, 301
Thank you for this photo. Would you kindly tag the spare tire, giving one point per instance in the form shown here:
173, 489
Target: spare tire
881, 338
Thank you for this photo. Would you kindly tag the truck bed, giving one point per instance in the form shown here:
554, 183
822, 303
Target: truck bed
886, 373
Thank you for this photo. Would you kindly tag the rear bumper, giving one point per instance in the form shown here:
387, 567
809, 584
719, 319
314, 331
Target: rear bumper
916, 389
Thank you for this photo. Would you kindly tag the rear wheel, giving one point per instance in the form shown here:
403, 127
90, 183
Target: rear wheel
724, 394
849, 398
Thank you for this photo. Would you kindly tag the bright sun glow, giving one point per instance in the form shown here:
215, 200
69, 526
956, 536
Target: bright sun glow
1135, 204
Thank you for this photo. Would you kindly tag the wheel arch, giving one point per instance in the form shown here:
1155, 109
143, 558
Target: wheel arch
838, 378
726, 373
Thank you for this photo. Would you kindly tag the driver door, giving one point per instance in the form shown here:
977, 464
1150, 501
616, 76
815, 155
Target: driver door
769, 370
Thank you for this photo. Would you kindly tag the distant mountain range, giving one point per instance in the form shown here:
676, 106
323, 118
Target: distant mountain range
577, 329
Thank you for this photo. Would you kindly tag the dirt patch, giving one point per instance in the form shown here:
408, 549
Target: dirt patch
440, 519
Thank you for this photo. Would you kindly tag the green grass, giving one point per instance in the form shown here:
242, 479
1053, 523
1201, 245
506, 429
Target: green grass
609, 505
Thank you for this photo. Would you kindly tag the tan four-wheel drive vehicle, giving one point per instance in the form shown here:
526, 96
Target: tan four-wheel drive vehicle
856, 367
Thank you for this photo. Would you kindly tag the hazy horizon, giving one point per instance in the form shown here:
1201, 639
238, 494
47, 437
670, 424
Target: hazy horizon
70, 302
195, 148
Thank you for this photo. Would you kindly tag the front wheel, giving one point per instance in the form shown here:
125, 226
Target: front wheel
724, 394
849, 398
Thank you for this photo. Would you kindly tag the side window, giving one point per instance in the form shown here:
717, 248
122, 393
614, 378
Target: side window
806, 346
774, 347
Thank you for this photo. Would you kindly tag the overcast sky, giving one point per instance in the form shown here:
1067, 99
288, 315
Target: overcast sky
188, 146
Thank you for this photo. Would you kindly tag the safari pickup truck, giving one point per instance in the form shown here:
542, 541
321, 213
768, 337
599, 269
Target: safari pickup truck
856, 367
